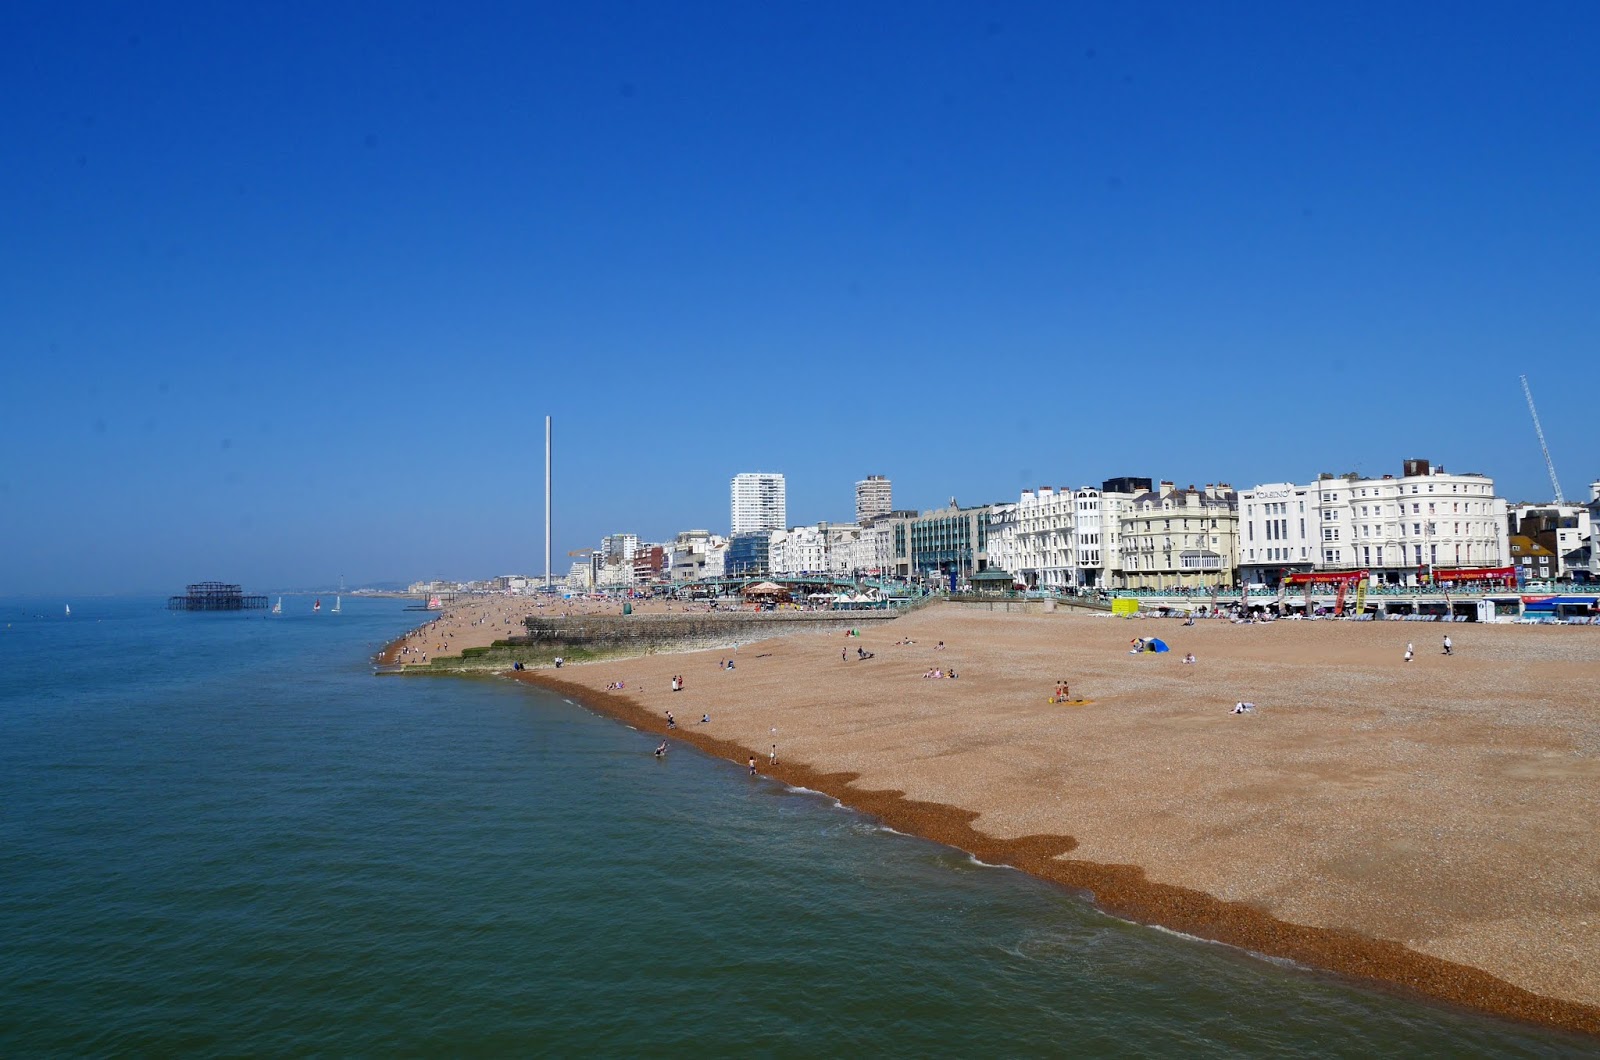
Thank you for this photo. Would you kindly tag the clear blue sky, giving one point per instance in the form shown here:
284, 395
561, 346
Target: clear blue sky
287, 291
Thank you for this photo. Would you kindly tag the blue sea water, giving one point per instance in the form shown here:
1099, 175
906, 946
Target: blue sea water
222, 834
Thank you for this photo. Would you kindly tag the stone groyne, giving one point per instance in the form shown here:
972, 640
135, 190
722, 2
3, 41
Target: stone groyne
587, 638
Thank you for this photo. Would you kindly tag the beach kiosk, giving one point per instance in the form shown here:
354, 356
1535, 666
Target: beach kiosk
993, 581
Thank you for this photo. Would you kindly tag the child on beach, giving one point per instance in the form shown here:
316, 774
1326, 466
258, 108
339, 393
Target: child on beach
752, 765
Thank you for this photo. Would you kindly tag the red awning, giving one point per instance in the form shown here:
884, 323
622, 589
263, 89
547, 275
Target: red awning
1479, 574
1326, 577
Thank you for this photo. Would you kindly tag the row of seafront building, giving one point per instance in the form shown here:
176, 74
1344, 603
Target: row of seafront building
1135, 533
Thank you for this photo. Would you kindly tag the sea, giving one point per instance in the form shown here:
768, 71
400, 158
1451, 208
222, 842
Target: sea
222, 834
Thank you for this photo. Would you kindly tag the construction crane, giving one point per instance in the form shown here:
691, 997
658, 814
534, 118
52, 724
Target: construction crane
585, 553
1549, 464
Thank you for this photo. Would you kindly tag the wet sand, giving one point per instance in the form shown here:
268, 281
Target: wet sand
1430, 824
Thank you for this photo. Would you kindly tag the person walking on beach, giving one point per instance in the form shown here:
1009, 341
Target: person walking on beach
1409, 652
1448, 648
752, 765
672, 723
772, 759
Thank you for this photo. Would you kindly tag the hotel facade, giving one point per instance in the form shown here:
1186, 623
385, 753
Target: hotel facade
1397, 527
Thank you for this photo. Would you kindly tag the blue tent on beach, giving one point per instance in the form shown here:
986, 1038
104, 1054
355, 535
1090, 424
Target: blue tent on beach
1156, 645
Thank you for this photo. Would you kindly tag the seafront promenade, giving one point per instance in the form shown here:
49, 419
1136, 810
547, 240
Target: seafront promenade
1427, 823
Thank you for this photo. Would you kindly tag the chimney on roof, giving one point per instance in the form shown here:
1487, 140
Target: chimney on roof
1166, 489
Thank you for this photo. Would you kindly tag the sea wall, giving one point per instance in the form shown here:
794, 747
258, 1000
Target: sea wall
587, 638
1025, 605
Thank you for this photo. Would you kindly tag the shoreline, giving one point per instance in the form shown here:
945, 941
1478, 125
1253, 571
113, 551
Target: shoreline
1124, 891
1380, 820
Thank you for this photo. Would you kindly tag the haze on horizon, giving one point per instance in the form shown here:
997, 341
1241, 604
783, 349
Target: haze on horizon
289, 292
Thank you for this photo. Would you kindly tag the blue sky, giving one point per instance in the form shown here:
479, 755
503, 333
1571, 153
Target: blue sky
288, 292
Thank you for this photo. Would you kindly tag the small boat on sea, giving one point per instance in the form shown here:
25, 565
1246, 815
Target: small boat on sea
338, 604
69, 610
317, 605
277, 608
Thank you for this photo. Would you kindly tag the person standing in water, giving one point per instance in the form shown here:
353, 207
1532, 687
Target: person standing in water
752, 765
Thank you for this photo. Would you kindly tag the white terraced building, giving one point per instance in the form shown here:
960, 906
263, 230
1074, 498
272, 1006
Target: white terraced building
1060, 539
1046, 554
1398, 528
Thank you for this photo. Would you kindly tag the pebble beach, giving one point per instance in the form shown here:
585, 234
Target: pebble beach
1428, 823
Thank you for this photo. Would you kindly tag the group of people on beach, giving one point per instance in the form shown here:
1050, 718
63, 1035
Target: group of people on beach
677, 682
939, 674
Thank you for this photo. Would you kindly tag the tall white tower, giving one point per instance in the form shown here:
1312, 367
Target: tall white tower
759, 502
547, 583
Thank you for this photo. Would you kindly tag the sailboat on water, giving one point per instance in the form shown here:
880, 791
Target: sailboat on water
69, 610
277, 608
338, 602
